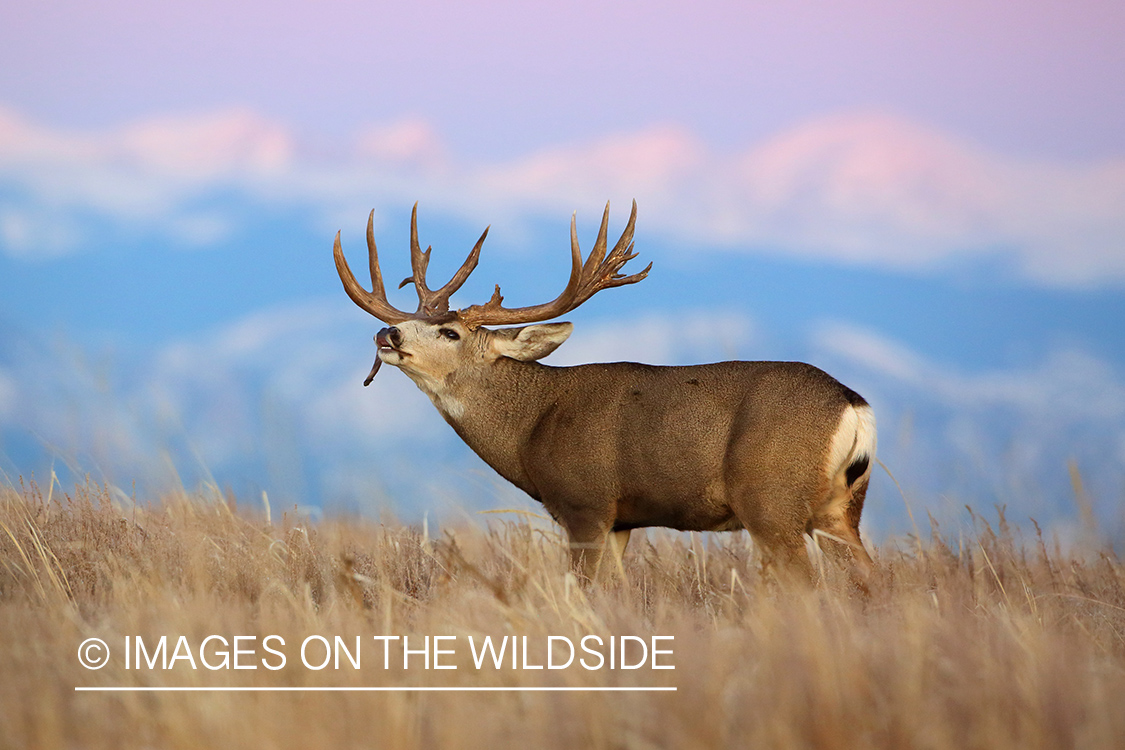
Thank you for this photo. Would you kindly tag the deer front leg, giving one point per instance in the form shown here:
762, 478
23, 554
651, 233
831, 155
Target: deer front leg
617, 541
586, 558
620, 540
589, 536
599, 557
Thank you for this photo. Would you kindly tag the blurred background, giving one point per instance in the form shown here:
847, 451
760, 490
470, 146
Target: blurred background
925, 199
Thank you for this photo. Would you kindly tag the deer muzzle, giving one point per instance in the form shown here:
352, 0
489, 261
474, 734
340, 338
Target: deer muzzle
388, 338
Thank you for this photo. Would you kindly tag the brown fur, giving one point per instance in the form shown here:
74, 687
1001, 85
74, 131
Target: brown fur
612, 447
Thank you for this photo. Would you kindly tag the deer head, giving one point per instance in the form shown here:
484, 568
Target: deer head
433, 343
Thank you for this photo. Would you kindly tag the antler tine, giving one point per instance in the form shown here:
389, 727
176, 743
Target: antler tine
419, 262
439, 300
373, 302
597, 254
620, 280
373, 258
626, 241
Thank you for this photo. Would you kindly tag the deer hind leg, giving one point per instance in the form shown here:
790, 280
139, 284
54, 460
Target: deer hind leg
786, 561
778, 529
834, 527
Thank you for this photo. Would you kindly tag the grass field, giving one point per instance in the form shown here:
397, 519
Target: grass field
987, 639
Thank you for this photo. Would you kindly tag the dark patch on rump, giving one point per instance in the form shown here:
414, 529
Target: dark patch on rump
856, 469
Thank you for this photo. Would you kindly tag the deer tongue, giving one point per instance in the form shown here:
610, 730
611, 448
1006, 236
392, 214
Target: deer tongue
374, 369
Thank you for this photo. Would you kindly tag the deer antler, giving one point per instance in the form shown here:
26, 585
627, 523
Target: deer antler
600, 271
429, 302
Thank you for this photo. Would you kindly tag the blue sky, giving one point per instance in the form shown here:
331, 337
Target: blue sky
927, 202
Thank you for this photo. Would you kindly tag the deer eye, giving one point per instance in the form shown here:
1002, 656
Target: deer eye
449, 333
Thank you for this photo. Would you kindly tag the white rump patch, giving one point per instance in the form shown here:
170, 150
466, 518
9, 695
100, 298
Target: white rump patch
865, 438
854, 437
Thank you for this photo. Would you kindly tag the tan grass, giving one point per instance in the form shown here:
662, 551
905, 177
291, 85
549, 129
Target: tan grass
986, 641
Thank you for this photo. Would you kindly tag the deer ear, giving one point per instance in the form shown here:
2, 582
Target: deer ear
530, 343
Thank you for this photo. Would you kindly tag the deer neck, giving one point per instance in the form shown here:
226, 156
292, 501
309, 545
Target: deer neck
495, 409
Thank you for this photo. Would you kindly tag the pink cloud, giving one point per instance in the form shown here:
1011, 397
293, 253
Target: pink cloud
208, 145
859, 188
201, 146
884, 189
655, 160
410, 141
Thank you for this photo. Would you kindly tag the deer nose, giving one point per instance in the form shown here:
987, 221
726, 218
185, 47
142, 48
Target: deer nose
389, 337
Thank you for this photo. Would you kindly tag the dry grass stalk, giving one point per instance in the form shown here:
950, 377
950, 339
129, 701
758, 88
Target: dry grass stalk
989, 642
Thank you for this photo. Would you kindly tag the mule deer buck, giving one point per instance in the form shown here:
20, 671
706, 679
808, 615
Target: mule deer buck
779, 448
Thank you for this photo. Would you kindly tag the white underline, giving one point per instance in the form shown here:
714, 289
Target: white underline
372, 689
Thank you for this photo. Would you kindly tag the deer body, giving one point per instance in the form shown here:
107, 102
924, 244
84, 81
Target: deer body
779, 448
